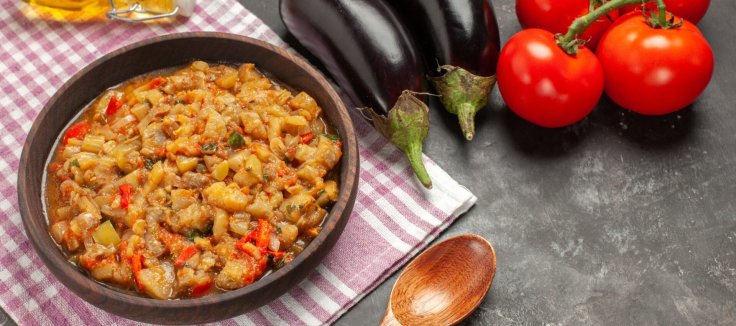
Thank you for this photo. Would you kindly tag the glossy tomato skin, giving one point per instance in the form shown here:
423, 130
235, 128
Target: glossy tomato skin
654, 71
557, 15
691, 10
543, 84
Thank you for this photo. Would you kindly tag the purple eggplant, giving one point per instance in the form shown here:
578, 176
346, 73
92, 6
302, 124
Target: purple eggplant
370, 54
461, 36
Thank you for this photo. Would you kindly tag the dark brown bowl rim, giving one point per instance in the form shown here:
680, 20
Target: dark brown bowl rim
349, 185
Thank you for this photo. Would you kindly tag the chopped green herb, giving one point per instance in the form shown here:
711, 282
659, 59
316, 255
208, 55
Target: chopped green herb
320, 193
236, 140
193, 235
293, 207
277, 229
149, 163
75, 162
210, 147
280, 263
333, 138
266, 177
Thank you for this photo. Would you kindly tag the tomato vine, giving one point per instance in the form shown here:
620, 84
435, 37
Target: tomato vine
569, 41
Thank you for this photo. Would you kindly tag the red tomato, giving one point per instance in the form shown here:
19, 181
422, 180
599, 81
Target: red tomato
557, 15
692, 10
543, 84
654, 71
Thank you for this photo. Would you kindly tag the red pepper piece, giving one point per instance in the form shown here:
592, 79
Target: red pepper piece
263, 238
245, 239
187, 253
276, 254
113, 106
125, 191
77, 131
200, 289
262, 265
137, 265
307, 137
156, 82
55, 166
290, 182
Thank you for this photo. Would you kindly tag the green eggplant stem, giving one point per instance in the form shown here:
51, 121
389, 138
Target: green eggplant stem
406, 126
414, 154
463, 94
466, 116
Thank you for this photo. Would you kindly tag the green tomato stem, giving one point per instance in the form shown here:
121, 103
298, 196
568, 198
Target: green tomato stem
569, 41
662, 13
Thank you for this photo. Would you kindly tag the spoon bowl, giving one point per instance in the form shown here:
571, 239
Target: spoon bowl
444, 284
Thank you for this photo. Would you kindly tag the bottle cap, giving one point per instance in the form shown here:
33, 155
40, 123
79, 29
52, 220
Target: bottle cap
182, 7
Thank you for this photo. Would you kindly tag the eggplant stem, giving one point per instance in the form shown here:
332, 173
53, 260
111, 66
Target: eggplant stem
406, 126
413, 152
466, 117
463, 94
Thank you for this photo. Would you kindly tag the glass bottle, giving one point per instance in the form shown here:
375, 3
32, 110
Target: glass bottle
126, 10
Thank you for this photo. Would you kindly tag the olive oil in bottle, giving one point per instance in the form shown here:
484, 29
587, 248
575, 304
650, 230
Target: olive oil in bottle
127, 10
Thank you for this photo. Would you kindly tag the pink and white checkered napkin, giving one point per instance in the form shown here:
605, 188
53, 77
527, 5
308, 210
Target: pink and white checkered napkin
392, 220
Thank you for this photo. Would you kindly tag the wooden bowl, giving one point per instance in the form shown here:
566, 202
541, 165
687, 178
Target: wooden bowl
144, 57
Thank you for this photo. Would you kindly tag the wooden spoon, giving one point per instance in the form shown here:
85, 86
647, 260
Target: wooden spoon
444, 284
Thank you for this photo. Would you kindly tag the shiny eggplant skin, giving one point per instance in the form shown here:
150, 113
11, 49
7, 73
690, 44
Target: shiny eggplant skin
363, 45
460, 44
371, 56
461, 33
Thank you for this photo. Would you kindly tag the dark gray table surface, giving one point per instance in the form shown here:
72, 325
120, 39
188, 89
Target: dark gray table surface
621, 219
618, 220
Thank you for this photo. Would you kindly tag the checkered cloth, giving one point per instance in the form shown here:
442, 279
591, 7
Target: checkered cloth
392, 220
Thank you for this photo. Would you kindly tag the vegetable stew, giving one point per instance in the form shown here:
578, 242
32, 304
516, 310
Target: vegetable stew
192, 182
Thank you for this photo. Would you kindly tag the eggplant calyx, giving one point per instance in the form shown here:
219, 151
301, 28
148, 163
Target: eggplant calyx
406, 126
463, 94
